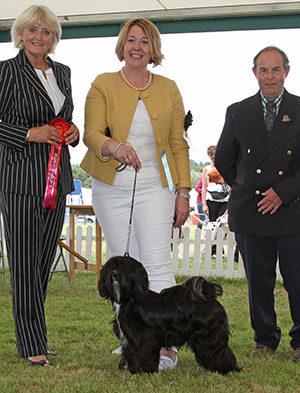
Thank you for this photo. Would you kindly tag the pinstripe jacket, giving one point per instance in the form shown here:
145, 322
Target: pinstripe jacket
24, 103
111, 103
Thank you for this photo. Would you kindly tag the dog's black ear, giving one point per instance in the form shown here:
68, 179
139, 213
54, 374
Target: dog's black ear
105, 283
122, 278
102, 285
139, 281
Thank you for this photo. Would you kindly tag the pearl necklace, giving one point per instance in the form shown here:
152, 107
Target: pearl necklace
136, 88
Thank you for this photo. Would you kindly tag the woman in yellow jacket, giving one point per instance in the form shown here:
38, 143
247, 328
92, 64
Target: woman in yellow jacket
136, 118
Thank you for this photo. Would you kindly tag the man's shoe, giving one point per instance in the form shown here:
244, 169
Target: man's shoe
296, 355
261, 349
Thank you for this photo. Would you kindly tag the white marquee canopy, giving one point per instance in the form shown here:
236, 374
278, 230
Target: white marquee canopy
83, 12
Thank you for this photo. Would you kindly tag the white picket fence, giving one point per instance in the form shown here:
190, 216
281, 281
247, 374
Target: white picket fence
190, 255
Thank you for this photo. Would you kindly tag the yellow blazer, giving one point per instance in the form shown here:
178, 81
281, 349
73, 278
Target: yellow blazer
111, 103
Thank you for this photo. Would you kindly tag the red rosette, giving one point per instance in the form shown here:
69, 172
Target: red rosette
61, 125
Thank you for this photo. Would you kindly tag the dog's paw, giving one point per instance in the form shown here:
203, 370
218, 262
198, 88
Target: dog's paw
122, 364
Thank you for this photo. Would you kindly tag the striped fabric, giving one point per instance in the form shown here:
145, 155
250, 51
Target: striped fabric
277, 103
24, 103
31, 232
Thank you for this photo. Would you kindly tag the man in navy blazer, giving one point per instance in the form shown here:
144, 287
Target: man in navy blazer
260, 160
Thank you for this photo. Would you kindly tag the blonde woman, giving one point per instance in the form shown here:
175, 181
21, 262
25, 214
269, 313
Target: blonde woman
144, 115
33, 90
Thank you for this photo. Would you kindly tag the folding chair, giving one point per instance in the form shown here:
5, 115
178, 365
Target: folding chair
75, 197
60, 256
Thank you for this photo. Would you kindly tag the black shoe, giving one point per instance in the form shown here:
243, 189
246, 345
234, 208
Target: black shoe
42, 363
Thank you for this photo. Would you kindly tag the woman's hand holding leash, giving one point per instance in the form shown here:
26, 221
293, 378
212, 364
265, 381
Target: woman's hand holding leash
121, 152
127, 155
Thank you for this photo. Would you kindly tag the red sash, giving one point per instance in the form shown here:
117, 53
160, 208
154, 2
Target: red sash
53, 164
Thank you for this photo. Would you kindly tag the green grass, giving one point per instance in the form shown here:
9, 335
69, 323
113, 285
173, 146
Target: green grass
79, 328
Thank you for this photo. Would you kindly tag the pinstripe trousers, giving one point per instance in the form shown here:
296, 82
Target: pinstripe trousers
31, 234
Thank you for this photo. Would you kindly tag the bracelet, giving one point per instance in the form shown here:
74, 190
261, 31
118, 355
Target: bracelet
115, 150
186, 196
27, 135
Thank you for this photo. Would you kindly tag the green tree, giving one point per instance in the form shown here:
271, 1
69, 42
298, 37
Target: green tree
196, 171
195, 176
86, 181
80, 174
193, 163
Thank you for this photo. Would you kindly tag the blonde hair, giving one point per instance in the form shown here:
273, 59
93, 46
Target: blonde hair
36, 14
152, 35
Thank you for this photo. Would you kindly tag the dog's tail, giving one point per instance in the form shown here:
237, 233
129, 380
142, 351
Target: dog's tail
202, 289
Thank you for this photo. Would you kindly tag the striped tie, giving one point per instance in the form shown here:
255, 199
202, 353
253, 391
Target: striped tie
270, 115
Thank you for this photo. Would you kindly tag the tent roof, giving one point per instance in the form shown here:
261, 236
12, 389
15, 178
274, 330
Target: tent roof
101, 18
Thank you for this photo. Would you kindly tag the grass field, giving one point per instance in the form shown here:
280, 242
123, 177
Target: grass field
79, 328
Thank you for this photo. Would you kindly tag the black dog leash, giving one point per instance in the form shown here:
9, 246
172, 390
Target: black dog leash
130, 217
120, 168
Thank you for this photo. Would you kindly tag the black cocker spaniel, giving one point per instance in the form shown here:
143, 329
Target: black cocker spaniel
147, 321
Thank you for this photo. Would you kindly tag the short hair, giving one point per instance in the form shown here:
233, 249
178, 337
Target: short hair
271, 48
211, 150
36, 14
152, 35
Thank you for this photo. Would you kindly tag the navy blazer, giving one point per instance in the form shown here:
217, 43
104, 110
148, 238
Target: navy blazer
24, 103
251, 160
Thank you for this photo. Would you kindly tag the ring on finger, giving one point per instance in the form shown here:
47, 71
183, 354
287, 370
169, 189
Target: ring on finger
126, 159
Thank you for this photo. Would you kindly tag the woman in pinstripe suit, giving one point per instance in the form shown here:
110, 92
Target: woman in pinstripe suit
33, 90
